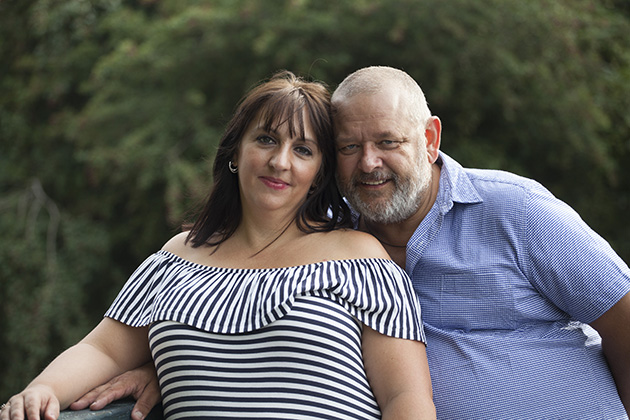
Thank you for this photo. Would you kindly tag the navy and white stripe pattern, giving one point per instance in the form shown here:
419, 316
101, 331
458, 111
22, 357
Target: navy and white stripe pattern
306, 365
231, 300
266, 343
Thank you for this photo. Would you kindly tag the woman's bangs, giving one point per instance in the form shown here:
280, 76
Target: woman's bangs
284, 110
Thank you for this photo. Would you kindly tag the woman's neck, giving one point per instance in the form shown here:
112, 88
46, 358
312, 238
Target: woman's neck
259, 227
261, 230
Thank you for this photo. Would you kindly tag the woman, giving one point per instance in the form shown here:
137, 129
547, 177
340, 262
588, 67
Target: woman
269, 306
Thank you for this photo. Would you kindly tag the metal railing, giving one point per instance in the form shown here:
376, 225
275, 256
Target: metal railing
118, 410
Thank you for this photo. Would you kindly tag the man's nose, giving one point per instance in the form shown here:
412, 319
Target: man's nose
370, 159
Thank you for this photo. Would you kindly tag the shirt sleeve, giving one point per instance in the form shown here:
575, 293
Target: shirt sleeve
569, 263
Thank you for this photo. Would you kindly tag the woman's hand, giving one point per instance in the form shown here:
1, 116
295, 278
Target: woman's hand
34, 403
108, 350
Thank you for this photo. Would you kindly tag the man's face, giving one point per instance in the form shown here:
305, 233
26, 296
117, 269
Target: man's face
383, 169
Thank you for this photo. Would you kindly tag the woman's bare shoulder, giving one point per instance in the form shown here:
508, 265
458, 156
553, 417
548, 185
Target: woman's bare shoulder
177, 244
353, 244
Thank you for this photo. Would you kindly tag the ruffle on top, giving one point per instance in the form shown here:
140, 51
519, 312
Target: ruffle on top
233, 300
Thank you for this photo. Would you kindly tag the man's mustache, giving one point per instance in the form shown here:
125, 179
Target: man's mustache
375, 176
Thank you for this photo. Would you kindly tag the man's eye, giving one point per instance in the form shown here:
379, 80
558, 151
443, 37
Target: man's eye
388, 144
349, 148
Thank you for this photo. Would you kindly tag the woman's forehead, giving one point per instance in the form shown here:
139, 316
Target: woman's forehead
295, 120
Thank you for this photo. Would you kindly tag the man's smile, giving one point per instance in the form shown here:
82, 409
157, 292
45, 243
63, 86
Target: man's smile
374, 183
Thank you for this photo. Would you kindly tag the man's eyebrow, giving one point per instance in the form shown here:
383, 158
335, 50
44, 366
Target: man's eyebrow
387, 135
379, 136
343, 140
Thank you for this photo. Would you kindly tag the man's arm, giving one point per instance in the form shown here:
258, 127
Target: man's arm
614, 328
140, 383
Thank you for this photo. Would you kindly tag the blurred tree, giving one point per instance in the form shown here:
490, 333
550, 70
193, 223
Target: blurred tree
110, 111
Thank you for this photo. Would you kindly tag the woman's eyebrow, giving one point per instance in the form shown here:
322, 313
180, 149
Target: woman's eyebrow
307, 140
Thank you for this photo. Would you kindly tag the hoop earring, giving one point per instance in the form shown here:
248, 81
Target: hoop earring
232, 167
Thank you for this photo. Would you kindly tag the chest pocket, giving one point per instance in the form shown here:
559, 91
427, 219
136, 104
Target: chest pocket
472, 300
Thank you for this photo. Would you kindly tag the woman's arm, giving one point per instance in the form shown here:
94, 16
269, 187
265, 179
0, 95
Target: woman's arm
141, 384
110, 349
398, 372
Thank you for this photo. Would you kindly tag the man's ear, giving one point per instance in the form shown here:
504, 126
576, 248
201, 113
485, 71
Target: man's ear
433, 134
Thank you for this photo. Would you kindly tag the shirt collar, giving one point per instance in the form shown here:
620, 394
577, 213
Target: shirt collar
455, 185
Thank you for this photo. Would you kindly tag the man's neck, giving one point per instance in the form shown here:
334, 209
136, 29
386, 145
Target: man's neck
395, 236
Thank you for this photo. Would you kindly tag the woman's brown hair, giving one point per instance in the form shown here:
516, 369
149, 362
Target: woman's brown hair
281, 99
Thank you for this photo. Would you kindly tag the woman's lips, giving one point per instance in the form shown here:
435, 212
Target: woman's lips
275, 183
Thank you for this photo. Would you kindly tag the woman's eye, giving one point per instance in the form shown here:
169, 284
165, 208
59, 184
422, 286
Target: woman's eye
305, 151
265, 140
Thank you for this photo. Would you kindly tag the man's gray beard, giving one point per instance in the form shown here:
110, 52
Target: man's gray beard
403, 204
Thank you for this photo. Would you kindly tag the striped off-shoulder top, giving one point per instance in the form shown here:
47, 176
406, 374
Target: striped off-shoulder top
276, 343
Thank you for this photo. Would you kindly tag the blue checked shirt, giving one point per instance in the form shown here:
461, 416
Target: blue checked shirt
507, 275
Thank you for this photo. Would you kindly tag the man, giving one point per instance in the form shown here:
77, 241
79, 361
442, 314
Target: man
504, 271
508, 276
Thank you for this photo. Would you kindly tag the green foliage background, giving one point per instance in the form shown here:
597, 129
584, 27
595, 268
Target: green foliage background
110, 111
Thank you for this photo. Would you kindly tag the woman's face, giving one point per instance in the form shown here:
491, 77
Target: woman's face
276, 170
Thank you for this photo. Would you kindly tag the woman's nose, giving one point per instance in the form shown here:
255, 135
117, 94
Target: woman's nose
281, 159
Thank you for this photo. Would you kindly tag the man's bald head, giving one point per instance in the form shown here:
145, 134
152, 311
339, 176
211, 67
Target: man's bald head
375, 79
